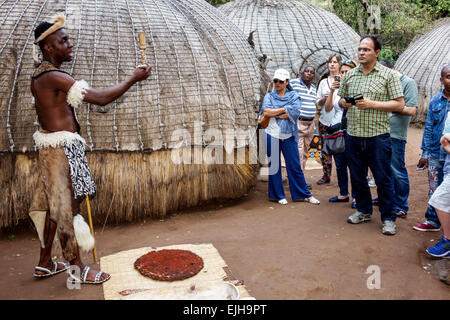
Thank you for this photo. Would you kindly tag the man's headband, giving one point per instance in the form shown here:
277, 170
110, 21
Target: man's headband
46, 28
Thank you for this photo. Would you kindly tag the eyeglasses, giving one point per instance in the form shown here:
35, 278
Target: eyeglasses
278, 81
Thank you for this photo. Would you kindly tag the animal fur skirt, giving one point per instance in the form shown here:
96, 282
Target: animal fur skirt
63, 176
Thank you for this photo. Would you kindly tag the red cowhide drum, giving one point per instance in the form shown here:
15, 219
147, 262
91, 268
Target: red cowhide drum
169, 264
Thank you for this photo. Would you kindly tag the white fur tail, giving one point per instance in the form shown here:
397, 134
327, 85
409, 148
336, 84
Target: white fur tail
83, 233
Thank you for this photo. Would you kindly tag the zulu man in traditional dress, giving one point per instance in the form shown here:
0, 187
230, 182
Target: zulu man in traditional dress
65, 179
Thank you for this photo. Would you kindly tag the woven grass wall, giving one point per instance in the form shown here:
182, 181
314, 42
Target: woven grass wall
204, 71
423, 61
292, 33
130, 185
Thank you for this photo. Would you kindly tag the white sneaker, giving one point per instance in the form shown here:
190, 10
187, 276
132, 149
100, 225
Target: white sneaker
389, 227
359, 217
282, 201
313, 200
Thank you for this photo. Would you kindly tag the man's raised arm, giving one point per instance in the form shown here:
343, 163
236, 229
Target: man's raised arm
79, 91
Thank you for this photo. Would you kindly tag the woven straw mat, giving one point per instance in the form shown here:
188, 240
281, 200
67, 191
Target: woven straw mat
124, 276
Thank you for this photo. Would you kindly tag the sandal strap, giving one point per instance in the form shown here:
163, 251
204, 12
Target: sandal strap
42, 269
98, 275
84, 273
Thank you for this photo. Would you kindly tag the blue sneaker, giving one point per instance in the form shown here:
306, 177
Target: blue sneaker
441, 250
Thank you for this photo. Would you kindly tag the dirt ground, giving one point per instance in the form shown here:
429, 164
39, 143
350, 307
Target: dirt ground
297, 251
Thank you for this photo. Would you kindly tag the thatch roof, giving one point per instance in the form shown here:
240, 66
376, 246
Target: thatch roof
423, 61
292, 33
205, 75
203, 69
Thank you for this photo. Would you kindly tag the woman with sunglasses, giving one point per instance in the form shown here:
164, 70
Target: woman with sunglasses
323, 91
282, 106
339, 122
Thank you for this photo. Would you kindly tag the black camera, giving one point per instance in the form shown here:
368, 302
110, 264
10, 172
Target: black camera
338, 79
352, 100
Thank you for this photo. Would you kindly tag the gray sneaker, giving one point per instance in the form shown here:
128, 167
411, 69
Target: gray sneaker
359, 217
389, 227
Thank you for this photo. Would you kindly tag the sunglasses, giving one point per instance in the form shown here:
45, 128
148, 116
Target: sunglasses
278, 81
348, 62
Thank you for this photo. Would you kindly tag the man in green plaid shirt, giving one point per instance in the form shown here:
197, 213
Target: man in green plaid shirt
368, 143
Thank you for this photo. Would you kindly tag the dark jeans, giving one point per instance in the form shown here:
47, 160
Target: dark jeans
435, 178
374, 153
400, 176
341, 162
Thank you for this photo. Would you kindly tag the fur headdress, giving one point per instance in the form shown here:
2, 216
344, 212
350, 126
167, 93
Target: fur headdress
45, 29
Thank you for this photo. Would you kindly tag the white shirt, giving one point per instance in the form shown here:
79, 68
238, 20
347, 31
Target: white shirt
274, 130
307, 96
337, 113
324, 88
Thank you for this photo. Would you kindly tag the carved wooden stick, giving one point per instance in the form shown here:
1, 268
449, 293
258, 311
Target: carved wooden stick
142, 47
88, 205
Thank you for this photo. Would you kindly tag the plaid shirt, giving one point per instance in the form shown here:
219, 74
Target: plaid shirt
381, 84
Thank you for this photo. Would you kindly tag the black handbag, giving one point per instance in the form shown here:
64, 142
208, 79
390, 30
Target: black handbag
334, 139
334, 143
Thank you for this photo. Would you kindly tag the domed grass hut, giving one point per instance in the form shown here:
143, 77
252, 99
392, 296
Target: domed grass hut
423, 61
160, 147
293, 34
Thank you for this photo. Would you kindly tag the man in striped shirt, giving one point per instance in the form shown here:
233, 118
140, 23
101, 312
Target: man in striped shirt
368, 144
307, 92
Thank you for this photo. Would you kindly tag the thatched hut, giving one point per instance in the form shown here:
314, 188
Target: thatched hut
293, 34
423, 61
204, 87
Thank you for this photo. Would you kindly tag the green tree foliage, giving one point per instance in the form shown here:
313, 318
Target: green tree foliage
399, 21
217, 3
437, 8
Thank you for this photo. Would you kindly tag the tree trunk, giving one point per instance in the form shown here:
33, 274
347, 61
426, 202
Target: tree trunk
330, 5
361, 26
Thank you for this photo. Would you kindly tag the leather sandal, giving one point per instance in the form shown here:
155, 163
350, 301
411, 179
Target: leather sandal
48, 272
84, 274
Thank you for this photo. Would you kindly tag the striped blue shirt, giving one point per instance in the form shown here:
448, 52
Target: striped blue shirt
307, 96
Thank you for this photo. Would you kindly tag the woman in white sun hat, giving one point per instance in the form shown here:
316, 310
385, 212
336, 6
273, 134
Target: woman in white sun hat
282, 106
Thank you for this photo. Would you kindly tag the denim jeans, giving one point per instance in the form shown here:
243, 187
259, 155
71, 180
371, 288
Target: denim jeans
297, 184
374, 153
400, 176
435, 178
341, 162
